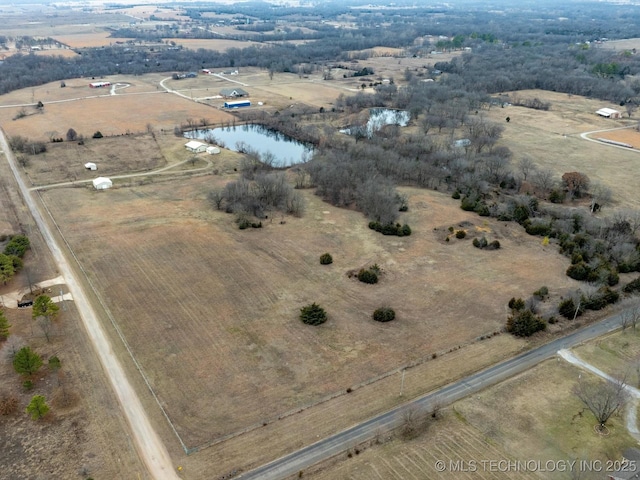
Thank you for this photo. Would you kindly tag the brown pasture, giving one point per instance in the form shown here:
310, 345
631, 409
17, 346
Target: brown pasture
552, 139
89, 39
89, 110
213, 44
226, 351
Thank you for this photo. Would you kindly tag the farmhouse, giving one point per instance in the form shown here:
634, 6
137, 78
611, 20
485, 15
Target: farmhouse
90, 166
195, 146
238, 104
609, 113
100, 84
234, 92
102, 183
213, 150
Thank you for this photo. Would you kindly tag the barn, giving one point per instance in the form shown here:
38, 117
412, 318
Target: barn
90, 166
609, 113
100, 84
213, 150
102, 183
237, 104
195, 146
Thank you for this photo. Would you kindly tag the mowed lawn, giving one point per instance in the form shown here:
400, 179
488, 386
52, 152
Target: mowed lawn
211, 312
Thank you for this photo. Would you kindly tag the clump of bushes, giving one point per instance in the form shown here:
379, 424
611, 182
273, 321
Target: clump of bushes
568, 307
632, 287
541, 293
244, 223
384, 314
369, 275
326, 259
516, 304
18, 245
483, 244
313, 314
391, 229
605, 296
460, 234
524, 323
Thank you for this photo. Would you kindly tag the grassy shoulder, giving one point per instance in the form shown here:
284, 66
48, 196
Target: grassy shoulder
533, 419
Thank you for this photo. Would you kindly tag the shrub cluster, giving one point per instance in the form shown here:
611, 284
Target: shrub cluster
632, 287
568, 307
313, 314
524, 323
326, 259
384, 314
17, 245
483, 244
368, 276
244, 223
391, 229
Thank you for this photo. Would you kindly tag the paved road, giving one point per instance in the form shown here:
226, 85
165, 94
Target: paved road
340, 442
150, 448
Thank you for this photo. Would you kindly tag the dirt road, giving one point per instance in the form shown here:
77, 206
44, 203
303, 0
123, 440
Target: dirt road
150, 447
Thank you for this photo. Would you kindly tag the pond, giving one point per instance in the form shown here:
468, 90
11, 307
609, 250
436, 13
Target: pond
378, 118
280, 149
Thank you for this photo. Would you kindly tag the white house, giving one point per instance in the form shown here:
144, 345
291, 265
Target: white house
213, 150
102, 183
90, 166
195, 146
609, 113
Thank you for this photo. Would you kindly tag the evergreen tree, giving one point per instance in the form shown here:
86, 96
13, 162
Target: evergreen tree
38, 407
26, 361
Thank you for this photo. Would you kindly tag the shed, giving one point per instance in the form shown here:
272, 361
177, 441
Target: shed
238, 104
609, 113
195, 146
213, 150
90, 166
102, 183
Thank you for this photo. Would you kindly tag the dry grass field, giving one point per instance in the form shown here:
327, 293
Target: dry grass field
530, 417
626, 44
205, 344
210, 311
552, 140
89, 110
84, 435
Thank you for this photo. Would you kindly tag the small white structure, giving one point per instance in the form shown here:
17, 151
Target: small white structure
195, 146
90, 166
609, 113
213, 150
102, 183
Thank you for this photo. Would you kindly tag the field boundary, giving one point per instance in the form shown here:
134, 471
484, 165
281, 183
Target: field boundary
114, 323
249, 428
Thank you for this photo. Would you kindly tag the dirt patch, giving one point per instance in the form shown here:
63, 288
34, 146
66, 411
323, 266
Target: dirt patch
629, 136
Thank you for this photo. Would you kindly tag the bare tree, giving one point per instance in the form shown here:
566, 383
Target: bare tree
411, 422
630, 108
600, 196
602, 398
630, 317
526, 167
543, 180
